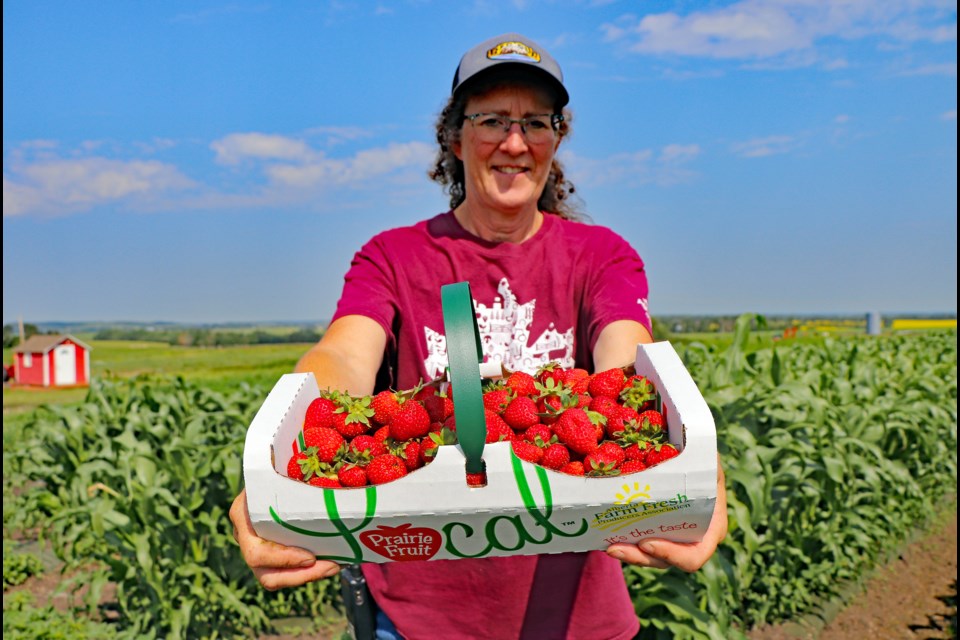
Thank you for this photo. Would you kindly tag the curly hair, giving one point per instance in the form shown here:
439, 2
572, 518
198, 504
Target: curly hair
557, 196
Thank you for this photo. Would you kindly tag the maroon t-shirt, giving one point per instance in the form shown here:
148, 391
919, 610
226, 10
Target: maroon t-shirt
546, 299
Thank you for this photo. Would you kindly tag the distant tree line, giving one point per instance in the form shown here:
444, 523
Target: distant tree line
11, 334
198, 337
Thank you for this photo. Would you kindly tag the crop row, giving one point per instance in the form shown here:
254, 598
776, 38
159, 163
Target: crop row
833, 453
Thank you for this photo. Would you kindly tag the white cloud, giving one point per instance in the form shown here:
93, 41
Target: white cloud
237, 147
945, 69
757, 29
836, 64
679, 153
842, 119
66, 185
309, 175
321, 171
762, 147
156, 145
332, 136
633, 169
41, 177
375, 162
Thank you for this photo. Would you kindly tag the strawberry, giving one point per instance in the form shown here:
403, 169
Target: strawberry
496, 398
409, 452
555, 456
583, 400
327, 442
653, 418
613, 452
527, 451
636, 451
632, 466
660, 453
352, 417
497, 429
521, 413
385, 405
352, 475
521, 384
313, 436
477, 479
577, 431
539, 431
367, 444
550, 371
319, 413
428, 451
607, 383
451, 423
429, 446
311, 465
325, 481
637, 393
294, 469
573, 468
644, 430
381, 434
553, 398
577, 379
605, 460
411, 421
550, 408
610, 410
386, 468
438, 406
596, 465
628, 414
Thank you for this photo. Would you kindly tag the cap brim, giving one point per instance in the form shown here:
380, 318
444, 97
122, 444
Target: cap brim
548, 79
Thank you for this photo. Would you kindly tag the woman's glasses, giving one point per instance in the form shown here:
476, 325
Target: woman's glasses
493, 127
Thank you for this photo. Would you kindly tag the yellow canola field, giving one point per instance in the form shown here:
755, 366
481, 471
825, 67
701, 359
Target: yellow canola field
918, 323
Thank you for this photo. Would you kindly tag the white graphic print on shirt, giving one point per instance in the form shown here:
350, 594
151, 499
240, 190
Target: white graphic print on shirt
505, 337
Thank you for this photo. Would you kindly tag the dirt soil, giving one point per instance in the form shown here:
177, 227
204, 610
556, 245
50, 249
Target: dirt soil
914, 597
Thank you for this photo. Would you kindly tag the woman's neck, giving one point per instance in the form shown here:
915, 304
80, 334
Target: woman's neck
498, 227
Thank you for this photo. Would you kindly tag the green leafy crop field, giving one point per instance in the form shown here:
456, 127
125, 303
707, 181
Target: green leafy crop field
835, 450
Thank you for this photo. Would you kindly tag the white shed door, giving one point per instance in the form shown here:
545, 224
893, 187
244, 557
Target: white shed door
65, 365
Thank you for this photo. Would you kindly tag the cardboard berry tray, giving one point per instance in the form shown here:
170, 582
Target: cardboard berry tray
432, 513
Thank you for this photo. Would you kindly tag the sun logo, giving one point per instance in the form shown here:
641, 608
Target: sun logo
632, 494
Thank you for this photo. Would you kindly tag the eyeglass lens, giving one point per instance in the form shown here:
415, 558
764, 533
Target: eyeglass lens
492, 127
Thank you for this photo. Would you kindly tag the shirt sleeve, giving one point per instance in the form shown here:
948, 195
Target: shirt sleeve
369, 290
617, 288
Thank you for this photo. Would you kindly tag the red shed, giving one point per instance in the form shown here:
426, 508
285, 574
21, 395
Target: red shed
52, 361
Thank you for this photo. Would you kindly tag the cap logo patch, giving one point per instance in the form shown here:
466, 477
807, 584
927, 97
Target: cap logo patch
513, 51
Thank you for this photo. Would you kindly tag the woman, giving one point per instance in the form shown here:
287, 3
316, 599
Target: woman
546, 288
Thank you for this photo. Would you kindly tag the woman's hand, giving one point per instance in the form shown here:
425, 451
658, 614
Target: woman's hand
689, 556
275, 565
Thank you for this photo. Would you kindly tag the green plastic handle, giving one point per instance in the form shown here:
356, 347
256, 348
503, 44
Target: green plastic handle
465, 354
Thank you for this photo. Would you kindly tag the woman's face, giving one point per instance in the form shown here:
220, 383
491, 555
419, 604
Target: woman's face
506, 176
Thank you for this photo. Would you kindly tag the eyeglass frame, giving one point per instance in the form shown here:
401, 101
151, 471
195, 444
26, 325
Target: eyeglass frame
555, 120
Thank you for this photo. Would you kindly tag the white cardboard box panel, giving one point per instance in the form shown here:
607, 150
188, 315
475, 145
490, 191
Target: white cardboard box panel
523, 509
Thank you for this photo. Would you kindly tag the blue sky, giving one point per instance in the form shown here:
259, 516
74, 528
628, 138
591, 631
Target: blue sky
222, 162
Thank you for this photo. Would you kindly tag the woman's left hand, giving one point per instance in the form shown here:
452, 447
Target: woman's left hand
689, 556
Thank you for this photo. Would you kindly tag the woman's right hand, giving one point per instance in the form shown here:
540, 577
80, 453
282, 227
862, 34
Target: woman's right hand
275, 565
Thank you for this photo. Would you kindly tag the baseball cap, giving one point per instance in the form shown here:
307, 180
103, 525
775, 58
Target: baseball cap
509, 49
